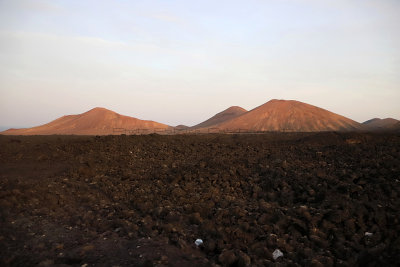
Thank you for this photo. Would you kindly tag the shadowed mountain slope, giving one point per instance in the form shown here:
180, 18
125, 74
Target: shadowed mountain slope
378, 124
223, 116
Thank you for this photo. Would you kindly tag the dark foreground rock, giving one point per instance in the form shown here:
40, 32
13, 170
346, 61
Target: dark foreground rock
322, 199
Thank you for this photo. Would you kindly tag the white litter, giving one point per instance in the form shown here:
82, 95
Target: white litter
277, 253
368, 234
198, 242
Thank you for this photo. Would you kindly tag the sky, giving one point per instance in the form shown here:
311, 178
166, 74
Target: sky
181, 62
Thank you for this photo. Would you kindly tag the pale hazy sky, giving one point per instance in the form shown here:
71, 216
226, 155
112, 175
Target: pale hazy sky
180, 62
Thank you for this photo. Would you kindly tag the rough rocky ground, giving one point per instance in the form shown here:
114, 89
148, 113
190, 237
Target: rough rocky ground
324, 199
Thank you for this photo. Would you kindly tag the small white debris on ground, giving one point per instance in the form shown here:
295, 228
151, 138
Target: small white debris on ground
277, 253
368, 234
198, 242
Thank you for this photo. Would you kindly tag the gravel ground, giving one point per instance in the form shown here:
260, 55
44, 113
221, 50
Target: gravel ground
321, 199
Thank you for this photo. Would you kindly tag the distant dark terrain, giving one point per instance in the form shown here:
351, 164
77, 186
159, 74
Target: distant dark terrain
322, 199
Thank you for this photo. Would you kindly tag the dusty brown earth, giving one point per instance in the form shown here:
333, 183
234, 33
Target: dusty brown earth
324, 199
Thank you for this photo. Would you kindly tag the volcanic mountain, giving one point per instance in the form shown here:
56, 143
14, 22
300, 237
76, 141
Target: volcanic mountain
377, 124
181, 127
226, 115
289, 115
97, 121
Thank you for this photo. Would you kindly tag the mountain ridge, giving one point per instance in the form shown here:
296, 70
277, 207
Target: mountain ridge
227, 114
96, 121
275, 115
290, 115
378, 124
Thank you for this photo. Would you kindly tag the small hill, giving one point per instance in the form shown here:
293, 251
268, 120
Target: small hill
378, 124
97, 121
181, 127
223, 116
290, 115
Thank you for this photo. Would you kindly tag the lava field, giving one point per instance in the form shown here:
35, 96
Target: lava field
320, 199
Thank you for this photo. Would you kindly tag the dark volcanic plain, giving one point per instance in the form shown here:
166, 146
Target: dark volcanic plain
323, 199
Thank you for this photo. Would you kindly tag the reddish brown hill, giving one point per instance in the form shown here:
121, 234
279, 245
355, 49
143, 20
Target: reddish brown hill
223, 116
290, 115
381, 124
97, 121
